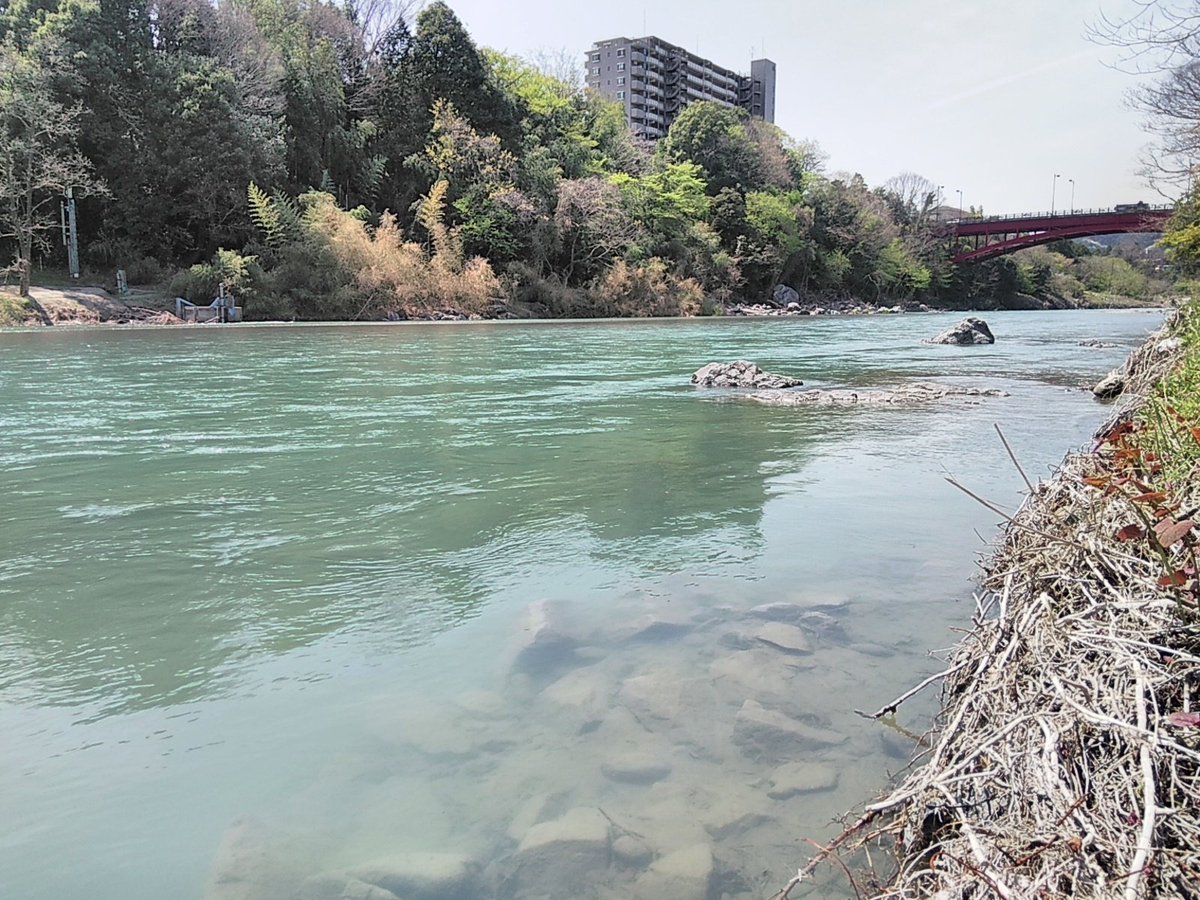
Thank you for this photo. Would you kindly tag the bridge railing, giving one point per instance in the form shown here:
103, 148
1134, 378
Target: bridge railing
1058, 213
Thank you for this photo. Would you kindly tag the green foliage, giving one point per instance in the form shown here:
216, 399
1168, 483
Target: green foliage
717, 139
300, 134
278, 217
1181, 240
1112, 275
241, 276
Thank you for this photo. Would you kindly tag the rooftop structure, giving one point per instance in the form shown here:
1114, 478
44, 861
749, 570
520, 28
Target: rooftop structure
655, 80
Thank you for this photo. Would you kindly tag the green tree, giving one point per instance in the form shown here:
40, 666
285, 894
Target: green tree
38, 159
443, 63
719, 140
666, 202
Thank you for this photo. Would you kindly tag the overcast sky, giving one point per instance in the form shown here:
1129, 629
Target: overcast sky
992, 98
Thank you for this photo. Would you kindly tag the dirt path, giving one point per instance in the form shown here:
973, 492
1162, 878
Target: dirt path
86, 306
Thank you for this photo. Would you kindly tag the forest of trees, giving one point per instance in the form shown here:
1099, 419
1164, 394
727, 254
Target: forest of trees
357, 161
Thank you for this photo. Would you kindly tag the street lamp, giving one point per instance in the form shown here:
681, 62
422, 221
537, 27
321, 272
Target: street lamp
961, 211
1072, 180
1053, 187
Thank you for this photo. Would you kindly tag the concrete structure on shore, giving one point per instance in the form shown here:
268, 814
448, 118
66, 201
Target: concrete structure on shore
655, 81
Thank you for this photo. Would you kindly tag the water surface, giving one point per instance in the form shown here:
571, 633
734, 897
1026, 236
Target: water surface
282, 576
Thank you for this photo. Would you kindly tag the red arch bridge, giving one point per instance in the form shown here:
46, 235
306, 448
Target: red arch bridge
976, 239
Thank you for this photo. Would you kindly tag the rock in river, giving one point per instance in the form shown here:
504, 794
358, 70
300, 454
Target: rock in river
740, 374
765, 733
561, 857
1110, 386
429, 876
970, 330
683, 875
636, 767
902, 395
787, 638
801, 778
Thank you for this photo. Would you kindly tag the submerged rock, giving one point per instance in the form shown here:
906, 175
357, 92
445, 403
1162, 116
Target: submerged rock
421, 876
970, 330
740, 374
683, 875
765, 733
339, 886
1110, 386
903, 395
253, 863
636, 767
545, 643
561, 857
787, 638
795, 778
632, 851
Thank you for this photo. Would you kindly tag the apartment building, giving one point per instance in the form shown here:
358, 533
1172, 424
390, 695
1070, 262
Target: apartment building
655, 80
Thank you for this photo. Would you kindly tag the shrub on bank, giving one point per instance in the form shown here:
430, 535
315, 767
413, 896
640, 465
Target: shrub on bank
14, 311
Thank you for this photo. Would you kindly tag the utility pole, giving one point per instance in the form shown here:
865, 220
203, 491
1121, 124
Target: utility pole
962, 213
1053, 188
72, 235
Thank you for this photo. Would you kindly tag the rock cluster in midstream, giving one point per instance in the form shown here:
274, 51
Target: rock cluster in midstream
672, 753
779, 389
912, 394
740, 374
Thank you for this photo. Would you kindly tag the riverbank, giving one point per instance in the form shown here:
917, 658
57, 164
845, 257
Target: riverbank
1066, 757
95, 306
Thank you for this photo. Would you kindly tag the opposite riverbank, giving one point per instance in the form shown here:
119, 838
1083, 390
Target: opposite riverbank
83, 305
1066, 758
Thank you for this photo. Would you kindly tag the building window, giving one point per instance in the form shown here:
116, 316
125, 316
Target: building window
620, 95
620, 81
620, 53
620, 67
595, 57
596, 70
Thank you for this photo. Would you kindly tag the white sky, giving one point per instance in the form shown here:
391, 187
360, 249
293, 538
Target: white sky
992, 97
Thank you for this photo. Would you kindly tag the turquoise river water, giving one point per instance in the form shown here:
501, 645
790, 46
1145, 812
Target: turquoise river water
284, 608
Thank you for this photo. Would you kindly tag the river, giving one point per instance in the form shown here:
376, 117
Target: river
298, 600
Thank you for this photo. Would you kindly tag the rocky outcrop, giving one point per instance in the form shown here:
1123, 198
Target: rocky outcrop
903, 395
970, 330
740, 374
785, 296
